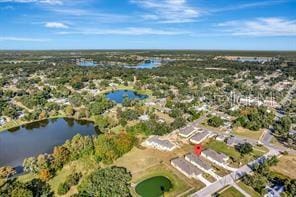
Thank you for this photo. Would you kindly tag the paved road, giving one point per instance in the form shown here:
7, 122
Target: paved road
268, 134
231, 178
289, 94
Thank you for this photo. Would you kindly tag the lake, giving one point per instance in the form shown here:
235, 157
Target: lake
147, 64
39, 137
154, 187
87, 63
119, 96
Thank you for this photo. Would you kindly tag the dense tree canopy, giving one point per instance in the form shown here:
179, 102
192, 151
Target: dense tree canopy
112, 181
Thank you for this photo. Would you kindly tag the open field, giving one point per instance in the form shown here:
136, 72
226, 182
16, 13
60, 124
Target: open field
145, 163
256, 135
230, 192
286, 166
180, 185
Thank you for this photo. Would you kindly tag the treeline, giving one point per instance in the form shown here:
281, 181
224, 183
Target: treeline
253, 118
103, 148
262, 176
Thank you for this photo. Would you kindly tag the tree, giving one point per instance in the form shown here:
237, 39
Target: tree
45, 175
69, 110
70, 181
79, 146
244, 148
112, 181
63, 188
6, 172
256, 181
21, 192
283, 126
290, 187
39, 188
61, 156
215, 121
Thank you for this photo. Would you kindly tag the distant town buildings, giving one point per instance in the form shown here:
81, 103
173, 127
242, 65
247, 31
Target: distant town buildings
248, 59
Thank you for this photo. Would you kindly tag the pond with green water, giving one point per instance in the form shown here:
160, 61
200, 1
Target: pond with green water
154, 187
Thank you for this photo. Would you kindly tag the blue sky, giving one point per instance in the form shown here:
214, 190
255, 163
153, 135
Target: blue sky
148, 24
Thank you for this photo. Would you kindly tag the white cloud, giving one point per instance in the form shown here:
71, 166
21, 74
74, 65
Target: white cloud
168, 11
247, 5
23, 39
135, 31
261, 27
51, 2
56, 25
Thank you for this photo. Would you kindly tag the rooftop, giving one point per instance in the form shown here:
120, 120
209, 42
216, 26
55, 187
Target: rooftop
164, 143
186, 166
199, 136
198, 161
219, 157
187, 130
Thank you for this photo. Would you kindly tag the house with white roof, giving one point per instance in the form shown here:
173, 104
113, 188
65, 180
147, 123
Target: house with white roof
157, 143
186, 168
217, 158
199, 137
198, 162
187, 131
2, 121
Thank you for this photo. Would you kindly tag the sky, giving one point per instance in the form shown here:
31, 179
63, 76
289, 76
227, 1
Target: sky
148, 24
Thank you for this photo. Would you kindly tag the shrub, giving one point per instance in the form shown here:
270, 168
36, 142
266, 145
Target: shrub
71, 180
63, 188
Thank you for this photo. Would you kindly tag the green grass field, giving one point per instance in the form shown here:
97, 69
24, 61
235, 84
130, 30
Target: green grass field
256, 135
248, 189
231, 192
179, 185
238, 159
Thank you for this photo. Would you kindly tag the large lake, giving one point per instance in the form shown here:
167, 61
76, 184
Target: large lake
119, 96
39, 137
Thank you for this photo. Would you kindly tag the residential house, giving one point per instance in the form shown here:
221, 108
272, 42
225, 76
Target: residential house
197, 161
157, 143
2, 121
187, 131
232, 141
213, 156
199, 137
186, 168
144, 117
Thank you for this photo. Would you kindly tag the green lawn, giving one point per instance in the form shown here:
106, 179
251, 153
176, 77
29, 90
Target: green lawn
238, 159
222, 147
179, 186
248, 133
248, 189
231, 192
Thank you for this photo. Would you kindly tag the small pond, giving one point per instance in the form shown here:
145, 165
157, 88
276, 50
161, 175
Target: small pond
39, 137
154, 187
119, 96
87, 63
